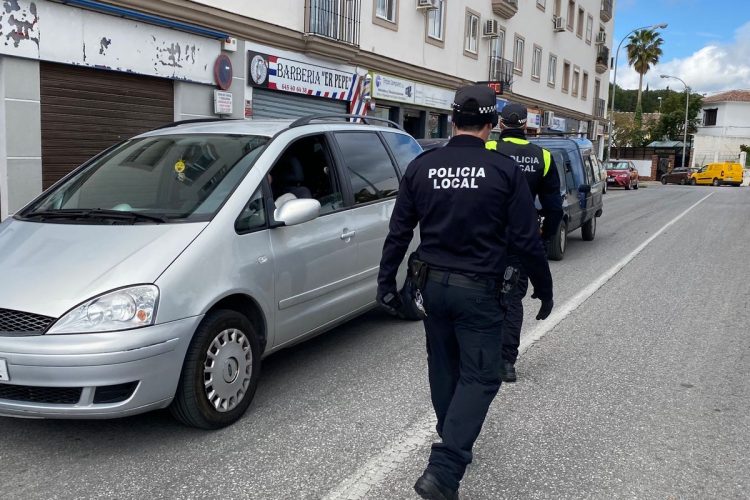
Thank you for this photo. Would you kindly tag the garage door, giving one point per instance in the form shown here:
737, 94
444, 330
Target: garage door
274, 104
85, 111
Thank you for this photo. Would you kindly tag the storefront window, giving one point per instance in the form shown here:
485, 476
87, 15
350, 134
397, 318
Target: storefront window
438, 125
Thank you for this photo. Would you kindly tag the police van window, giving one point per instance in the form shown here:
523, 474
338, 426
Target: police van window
591, 171
372, 175
305, 170
561, 171
253, 216
404, 148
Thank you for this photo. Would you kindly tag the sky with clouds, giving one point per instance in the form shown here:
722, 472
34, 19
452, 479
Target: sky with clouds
706, 43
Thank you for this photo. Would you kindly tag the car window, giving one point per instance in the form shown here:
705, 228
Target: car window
403, 147
305, 170
591, 171
253, 216
371, 172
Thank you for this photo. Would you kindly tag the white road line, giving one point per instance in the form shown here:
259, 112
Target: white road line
359, 484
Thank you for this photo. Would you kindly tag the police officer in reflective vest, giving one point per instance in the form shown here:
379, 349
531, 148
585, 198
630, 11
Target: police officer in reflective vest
540, 171
470, 204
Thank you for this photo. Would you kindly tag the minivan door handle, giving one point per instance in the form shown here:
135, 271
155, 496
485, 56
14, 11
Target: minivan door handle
347, 235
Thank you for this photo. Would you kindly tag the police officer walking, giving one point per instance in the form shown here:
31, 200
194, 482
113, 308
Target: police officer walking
470, 203
540, 171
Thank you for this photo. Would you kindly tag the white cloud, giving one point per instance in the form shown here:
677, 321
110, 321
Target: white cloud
713, 68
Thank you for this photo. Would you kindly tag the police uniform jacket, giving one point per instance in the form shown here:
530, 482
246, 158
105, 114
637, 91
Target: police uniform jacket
540, 171
468, 202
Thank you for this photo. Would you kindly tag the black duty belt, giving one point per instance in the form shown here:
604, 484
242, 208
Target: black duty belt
460, 280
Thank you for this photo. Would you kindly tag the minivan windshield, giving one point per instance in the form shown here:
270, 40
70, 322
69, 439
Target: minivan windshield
166, 178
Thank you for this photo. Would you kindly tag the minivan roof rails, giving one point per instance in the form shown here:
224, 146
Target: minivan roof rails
306, 120
194, 120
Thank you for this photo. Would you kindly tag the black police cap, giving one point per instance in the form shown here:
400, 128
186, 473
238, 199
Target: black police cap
514, 115
474, 105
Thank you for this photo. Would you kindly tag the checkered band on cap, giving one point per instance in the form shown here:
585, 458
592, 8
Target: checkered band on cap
484, 110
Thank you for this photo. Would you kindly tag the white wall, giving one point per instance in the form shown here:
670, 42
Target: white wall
732, 119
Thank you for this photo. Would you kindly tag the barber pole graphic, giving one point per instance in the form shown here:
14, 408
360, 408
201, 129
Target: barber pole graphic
360, 100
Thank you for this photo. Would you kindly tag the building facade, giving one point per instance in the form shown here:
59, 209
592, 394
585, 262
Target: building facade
81, 75
725, 127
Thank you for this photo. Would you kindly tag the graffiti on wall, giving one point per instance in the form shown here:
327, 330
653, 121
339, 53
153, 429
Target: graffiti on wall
55, 32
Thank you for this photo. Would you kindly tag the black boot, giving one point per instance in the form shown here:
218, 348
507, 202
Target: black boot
428, 487
508, 372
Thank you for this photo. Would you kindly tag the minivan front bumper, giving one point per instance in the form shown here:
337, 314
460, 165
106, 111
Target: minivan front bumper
95, 375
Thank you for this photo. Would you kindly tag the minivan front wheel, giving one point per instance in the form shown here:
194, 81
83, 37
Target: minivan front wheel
716, 182
220, 372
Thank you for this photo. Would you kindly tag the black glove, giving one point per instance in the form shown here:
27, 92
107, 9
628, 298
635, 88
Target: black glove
546, 308
390, 301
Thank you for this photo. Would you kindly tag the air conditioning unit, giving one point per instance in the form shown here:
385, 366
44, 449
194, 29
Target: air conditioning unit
601, 38
490, 28
514, 3
427, 4
559, 23
547, 118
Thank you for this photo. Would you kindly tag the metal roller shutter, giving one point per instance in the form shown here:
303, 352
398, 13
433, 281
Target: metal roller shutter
85, 111
274, 104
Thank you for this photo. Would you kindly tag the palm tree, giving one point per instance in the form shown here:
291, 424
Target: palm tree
644, 51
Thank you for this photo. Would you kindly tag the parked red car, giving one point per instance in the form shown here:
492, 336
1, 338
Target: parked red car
622, 173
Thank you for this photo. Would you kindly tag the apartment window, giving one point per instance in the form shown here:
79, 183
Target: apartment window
552, 70
536, 63
566, 77
581, 17
589, 29
558, 8
576, 78
435, 22
542, 4
597, 88
385, 14
471, 34
500, 69
518, 46
337, 19
386, 9
585, 86
709, 117
571, 14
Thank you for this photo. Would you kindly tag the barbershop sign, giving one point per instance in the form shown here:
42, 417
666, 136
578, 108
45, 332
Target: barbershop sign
279, 73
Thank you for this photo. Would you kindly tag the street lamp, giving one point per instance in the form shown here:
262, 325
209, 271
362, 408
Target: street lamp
614, 80
659, 97
687, 102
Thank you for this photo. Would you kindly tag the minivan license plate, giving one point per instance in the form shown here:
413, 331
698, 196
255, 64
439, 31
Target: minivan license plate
4, 375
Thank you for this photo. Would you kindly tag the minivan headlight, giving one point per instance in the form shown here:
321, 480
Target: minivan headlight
124, 309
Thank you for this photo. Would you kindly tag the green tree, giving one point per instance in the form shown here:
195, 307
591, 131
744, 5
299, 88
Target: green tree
671, 124
644, 51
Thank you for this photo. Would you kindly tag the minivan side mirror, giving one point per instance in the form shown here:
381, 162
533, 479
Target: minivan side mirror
297, 211
584, 188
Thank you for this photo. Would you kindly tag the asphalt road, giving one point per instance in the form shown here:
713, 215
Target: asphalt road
642, 391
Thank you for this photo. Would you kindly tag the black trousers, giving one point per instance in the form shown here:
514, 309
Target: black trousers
514, 313
463, 329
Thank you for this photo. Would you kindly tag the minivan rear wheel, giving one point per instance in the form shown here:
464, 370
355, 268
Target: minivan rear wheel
220, 372
559, 242
588, 230
664, 180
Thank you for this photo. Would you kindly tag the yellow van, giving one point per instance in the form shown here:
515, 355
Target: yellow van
718, 174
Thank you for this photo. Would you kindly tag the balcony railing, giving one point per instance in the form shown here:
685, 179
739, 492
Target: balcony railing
606, 13
501, 70
334, 19
600, 106
602, 59
505, 8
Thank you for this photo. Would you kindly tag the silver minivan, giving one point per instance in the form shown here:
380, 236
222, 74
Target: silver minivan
159, 273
